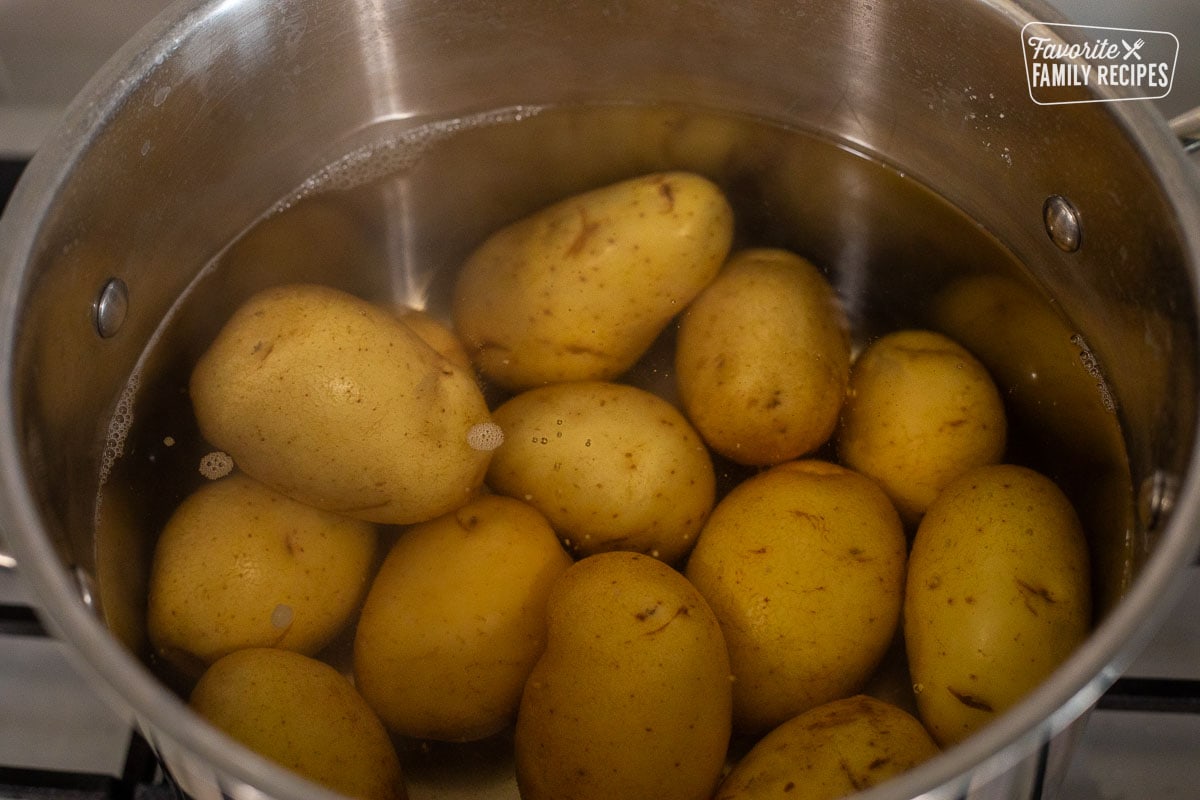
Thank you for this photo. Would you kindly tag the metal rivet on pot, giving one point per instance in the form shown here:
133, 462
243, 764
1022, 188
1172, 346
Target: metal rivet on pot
1156, 498
111, 307
1062, 223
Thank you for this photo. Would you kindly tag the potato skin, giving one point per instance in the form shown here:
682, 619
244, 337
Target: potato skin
791, 561
831, 751
763, 358
580, 289
302, 714
611, 466
632, 695
455, 620
998, 595
921, 410
337, 403
437, 335
239, 565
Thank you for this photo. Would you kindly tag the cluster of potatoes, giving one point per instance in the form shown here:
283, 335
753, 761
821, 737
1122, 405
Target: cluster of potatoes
566, 567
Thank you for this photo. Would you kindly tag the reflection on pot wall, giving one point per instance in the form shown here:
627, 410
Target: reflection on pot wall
916, 119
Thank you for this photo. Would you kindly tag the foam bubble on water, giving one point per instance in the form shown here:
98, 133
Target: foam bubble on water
396, 153
485, 436
118, 427
216, 465
1092, 366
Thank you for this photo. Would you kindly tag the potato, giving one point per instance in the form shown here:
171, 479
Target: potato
831, 751
921, 411
804, 567
239, 565
763, 358
301, 713
631, 698
437, 335
611, 466
1062, 408
337, 403
997, 597
455, 620
579, 290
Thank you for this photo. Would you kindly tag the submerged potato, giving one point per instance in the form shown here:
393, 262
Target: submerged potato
455, 620
239, 565
921, 411
437, 335
804, 567
998, 596
302, 714
631, 698
611, 466
579, 290
831, 751
763, 358
337, 403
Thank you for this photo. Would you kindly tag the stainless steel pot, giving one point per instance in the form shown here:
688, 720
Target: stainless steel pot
221, 108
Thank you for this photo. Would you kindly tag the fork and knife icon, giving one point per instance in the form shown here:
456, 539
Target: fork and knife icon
1132, 49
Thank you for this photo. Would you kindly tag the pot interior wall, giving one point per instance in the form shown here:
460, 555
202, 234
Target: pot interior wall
896, 147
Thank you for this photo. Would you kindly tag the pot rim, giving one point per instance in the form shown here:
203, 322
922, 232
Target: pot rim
128, 685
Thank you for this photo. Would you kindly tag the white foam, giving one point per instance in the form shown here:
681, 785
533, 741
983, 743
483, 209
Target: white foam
394, 153
485, 436
118, 427
216, 465
1092, 366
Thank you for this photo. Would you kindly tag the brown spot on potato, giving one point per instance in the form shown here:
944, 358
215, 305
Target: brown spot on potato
970, 700
668, 192
1030, 593
853, 777
262, 349
587, 228
682, 611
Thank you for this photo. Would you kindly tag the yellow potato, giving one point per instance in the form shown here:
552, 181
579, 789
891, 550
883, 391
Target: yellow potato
1066, 410
239, 565
831, 751
438, 336
631, 698
303, 715
997, 597
921, 411
579, 290
763, 358
611, 466
455, 620
804, 567
338, 404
